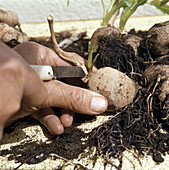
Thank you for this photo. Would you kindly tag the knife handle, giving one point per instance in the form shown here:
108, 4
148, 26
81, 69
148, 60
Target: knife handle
44, 72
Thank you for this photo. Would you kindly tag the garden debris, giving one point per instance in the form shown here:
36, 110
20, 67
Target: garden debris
68, 41
8, 32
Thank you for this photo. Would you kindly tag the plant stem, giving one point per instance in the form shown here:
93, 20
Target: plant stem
59, 51
64, 55
93, 46
90, 62
127, 12
109, 13
104, 11
113, 18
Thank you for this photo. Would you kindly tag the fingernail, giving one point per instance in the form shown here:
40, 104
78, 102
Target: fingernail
98, 104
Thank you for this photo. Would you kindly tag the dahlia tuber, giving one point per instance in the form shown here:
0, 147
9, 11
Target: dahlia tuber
117, 87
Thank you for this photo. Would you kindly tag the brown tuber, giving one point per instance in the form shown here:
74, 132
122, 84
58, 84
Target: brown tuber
117, 87
9, 18
157, 39
134, 41
104, 32
158, 73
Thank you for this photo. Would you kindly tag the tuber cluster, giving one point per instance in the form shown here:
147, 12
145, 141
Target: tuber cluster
8, 31
110, 81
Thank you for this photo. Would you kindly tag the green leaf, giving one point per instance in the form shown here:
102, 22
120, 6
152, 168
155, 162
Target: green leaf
112, 3
164, 2
163, 8
104, 10
128, 3
111, 11
141, 2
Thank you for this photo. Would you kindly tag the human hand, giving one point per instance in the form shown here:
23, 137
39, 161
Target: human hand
37, 97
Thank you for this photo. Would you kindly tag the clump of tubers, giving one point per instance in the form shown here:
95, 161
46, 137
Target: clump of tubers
117, 87
8, 33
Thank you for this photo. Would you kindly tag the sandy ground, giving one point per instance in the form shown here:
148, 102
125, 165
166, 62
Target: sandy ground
24, 132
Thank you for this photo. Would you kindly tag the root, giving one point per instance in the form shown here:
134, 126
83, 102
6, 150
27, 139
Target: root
107, 156
166, 109
134, 155
152, 132
150, 98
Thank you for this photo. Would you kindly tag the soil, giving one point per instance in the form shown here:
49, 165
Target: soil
133, 127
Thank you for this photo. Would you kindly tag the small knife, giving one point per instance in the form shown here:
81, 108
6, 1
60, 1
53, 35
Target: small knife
46, 72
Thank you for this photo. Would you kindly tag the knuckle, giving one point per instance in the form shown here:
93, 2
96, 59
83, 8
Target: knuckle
12, 67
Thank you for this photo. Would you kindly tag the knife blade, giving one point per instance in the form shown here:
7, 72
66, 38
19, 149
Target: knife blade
46, 72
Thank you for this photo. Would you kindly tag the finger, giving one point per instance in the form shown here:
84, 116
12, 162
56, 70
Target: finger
74, 98
35, 53
48, 118
41, 55
66, 117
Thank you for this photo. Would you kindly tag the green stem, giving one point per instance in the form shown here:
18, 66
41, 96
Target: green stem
112, 3
90, 63
127, 12
104, 11
93, 46
109, 13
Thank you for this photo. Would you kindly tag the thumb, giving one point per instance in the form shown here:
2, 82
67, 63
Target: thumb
74, 98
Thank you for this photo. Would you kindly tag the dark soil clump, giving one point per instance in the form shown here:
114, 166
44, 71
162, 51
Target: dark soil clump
33, 152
